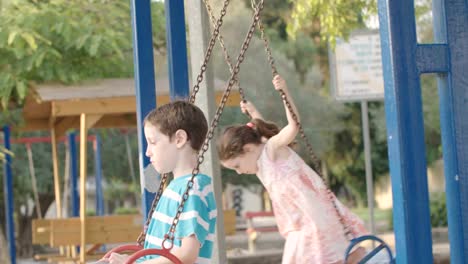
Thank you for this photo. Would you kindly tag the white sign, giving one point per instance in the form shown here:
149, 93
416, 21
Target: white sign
356, 67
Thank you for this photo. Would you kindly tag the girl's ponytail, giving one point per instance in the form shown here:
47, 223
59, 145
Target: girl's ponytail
264, 128
234, 138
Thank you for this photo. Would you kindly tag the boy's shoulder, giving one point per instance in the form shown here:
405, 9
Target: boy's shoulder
203, 179
200, 182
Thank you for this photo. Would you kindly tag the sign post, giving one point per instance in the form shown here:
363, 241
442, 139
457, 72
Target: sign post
356, 75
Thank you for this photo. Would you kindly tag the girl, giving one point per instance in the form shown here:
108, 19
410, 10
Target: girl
305, 215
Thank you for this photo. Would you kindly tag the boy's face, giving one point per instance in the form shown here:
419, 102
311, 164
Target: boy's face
161, 150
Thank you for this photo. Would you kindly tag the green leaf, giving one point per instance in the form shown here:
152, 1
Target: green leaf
6, 95
95, 43
39, 59
11, 37
81, 41
21, 89
30, 40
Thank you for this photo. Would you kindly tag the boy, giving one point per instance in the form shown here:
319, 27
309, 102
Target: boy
175, 132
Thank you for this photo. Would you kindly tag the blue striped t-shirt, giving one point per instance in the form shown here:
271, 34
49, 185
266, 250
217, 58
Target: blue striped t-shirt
198, 217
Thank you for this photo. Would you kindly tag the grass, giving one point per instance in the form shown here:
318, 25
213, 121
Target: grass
379, 214
382, 217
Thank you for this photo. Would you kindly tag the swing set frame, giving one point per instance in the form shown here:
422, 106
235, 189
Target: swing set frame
168, 240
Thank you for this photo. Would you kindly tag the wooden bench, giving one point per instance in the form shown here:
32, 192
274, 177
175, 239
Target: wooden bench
229, 222
257, 223
99, 230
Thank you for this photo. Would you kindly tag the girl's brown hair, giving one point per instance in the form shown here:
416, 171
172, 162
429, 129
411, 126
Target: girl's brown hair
234, 138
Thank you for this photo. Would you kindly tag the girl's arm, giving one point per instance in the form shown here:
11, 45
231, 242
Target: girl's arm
249, 108
289, 132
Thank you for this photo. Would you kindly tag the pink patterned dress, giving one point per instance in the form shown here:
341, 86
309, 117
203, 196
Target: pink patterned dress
304, 213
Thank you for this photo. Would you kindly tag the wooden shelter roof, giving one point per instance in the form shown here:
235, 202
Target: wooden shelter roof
111, 101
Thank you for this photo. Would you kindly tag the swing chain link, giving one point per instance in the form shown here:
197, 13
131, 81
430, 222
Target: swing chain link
209, 50
142, 236
217, 25
169, 237
266, 43
316, 163
227, 58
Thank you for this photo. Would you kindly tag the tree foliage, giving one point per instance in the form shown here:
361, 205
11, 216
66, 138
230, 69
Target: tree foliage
61, 41
335, 18
66, 41
318, 113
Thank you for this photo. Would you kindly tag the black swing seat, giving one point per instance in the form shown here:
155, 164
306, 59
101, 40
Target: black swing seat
381, 245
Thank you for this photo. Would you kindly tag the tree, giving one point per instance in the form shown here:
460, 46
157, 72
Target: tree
66, 41
345, 159
332, 19
325, 21
59, 41
275, 18
318, 113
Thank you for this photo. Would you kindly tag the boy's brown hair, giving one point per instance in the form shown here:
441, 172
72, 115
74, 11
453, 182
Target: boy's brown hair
177, 115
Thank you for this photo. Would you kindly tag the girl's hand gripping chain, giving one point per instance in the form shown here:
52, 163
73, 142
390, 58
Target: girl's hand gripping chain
279, 83
248, 108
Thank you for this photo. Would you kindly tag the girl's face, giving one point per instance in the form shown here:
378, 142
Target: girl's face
245, 163
161, 150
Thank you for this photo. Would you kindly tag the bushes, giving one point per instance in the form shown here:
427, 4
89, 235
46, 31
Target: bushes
438, 210
126, 211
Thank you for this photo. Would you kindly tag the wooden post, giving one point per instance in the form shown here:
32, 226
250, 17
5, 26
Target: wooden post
32, 171
55, 166
83, 150
86, 122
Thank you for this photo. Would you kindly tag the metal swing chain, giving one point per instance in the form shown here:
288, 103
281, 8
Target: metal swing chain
142, 236
169, 237
227, 58
315, 160
217, 25
271, 60
331, 196
209, 50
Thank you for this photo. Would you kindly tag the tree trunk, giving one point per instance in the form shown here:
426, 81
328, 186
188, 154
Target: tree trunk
24, 236
25, 248
4, 255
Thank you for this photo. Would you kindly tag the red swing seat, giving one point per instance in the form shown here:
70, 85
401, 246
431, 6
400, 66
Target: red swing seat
140, 252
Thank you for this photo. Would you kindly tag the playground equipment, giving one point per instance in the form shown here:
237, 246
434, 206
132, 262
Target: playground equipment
397, 6
168, 242
165, 251
105, 103
258, 223
316, 164
403, 59
43, 229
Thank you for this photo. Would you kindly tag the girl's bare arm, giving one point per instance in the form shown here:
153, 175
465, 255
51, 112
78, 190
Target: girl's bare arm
289, 132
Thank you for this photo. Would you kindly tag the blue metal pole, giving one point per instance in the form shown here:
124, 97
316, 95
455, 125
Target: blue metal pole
144, 84
453, 33
98, 171
405, 132
177, 49
8, 193
75, 197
